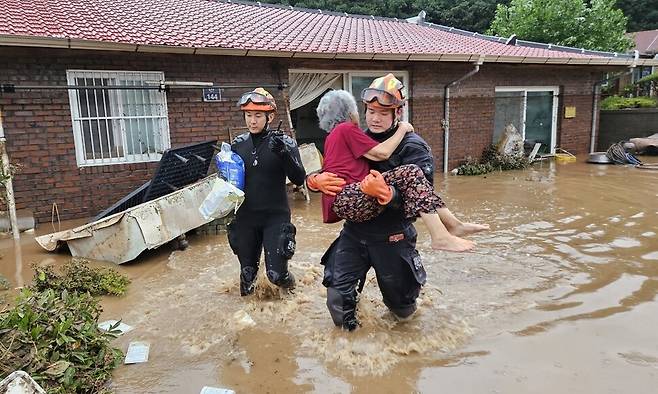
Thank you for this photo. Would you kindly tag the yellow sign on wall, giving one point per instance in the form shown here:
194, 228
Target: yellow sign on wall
569, 112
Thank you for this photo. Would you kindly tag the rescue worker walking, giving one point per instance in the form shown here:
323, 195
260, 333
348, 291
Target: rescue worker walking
263, 220
387, 242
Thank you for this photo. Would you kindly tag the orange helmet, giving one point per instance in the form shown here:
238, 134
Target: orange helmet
258, 99
384, 92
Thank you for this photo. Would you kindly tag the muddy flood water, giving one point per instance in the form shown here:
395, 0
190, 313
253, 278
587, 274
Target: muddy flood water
558, 297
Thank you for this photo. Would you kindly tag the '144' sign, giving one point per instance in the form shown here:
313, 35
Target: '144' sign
212, 94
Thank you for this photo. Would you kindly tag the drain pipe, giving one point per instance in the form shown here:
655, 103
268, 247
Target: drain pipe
9, 187
596, 91
445, 123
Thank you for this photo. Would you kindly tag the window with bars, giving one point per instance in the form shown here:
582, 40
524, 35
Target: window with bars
113, 126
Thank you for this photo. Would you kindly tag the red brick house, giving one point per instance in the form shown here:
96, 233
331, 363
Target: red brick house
85, 148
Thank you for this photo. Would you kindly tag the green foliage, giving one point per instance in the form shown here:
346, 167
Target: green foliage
473, 15
53, 336
642, 15
79, 277
616, 102
473, 167
491, 161
628, 89
593, 24
647, 79
503, 162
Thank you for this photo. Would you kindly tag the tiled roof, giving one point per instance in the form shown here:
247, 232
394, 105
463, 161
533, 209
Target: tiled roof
252, 29
646, 41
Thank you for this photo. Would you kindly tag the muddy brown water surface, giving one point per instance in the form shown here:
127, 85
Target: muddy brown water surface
560, 296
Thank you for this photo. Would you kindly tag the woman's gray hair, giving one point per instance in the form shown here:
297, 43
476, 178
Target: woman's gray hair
336, 106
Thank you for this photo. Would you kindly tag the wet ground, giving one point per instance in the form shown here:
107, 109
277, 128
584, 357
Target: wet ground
560, 296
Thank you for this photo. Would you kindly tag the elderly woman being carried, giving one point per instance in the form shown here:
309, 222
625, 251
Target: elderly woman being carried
367, 192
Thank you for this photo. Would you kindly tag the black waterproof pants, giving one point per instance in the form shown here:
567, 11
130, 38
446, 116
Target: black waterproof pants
249, 233
398, 267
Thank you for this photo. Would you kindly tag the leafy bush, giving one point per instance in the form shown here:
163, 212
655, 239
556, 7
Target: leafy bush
616, 102
649, 78
79, 277
473, 167
492, 160
502, 162
53, 336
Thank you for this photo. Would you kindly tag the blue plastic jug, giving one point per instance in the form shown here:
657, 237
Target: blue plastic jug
230, 166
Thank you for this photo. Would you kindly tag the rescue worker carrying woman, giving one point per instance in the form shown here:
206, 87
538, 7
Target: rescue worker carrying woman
387, 242
263, 220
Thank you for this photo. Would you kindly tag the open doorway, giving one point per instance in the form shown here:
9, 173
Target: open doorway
307, 87
305, 119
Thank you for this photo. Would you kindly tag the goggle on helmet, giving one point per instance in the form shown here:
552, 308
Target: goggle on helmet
384, 92
257, 100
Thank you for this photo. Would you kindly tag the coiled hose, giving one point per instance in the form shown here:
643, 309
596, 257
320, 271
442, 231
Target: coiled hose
618, 155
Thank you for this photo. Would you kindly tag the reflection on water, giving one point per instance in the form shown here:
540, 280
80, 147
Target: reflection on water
570, 244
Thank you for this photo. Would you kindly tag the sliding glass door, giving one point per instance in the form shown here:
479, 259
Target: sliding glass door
532, 111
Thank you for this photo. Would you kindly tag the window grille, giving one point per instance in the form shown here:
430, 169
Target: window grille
113, 126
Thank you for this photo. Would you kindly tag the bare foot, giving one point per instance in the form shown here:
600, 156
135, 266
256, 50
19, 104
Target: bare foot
453, 244
468, 228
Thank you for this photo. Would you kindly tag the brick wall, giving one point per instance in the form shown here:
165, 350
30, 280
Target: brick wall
40, 137
39, 128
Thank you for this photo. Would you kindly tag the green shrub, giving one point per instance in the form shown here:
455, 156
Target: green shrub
628, 89
79, 277
616, 102
473, 168
648, 78
502, 162
53, 335
492, 160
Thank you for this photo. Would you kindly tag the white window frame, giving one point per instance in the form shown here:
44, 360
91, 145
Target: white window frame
112, 114
525, 89
347, 80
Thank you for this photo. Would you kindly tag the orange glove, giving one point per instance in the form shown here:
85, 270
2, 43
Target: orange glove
374, 185
326, 182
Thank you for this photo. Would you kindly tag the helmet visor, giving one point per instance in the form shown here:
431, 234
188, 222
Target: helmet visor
384, 98
255, 98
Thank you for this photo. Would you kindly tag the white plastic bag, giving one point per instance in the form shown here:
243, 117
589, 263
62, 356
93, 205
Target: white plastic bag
222, 199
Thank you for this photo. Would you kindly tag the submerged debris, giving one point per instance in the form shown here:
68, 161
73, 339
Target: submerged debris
53, 336
79, 277
493, 160
4, 283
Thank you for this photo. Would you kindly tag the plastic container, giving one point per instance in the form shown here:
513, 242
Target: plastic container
230, 166
20, 382
565, 158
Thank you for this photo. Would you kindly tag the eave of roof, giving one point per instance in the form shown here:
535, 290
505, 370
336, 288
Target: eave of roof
581, 56
67, 43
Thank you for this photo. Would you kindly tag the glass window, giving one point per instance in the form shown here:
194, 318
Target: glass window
118, 125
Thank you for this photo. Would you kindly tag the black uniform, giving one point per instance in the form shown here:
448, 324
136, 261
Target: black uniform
263, 220
387, 243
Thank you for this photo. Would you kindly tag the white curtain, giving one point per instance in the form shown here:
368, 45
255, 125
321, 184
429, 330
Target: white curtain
306, 87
